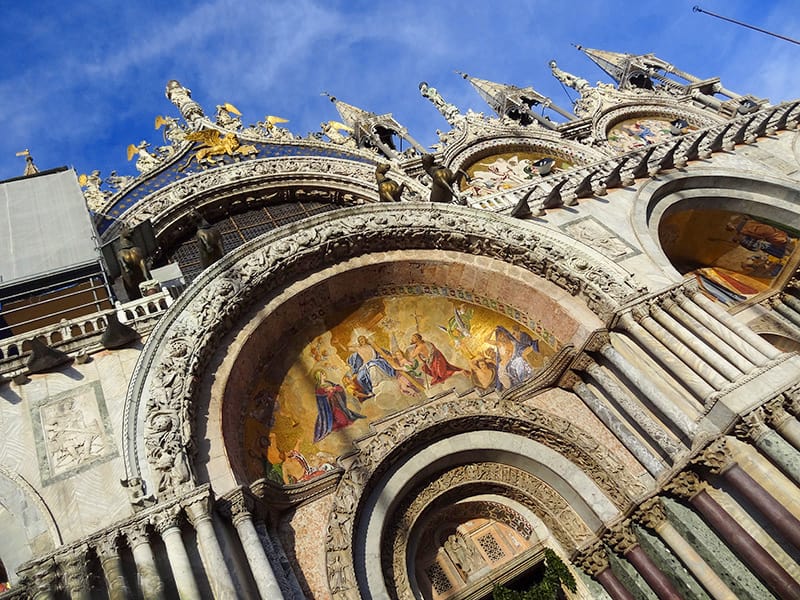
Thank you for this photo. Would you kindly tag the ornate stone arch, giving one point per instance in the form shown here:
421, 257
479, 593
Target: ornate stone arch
758, 194
158, 416
387, 464
346, 181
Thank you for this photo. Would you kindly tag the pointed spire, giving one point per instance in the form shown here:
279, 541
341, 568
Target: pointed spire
513, 101
616, 64
372, 130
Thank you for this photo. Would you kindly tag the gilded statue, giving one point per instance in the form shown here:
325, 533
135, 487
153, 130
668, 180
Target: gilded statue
228, 116
145, 161
333, 131
444, 179
388, 189
215, 145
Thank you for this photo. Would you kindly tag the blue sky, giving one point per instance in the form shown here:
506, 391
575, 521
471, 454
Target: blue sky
82, 80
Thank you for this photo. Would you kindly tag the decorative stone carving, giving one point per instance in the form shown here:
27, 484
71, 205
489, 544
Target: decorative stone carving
187, 331
75, 567
651, 513
775, 413
181, 97
716, 457
686, 484
94, 196
166, 519
593, 560
753, 425
621, 538
499, 415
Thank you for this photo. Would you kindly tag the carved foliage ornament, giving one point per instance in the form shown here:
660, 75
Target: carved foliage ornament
184, 338
490, 412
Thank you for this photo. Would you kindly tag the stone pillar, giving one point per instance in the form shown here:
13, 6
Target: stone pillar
688, 485
199, 512
690, 339
672, 355
632, 408
753, 427
721, 328
750, 337
108, 553
651, 514
241, 507
167, 524
664, 405
783, 422
74, 565
709, 329
643, 454
787, 312
150, 584
594, 562
623, 541
717, 458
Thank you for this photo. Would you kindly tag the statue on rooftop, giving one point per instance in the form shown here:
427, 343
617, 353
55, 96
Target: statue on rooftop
333, 131
94, 196
228, 116
448, 111
145, 161
442, 189
576, 83
181, 97
209, 241
132, 263
388, 189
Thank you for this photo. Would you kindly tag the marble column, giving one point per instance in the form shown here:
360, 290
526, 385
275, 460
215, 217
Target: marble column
704, 325
753, 427
167, 524
665, 350
783, 422
648, 389
594, 563
75, 567
150, 584
721, 329
759, 344
241, 507
718, 459
688, 485
643, 454
623, 541
219, 577
657, 434
651, 514
691, 340
108, 553
787, 312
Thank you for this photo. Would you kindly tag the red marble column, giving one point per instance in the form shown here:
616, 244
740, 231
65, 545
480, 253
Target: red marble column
776, 513
613, 586
689, 485
623, 541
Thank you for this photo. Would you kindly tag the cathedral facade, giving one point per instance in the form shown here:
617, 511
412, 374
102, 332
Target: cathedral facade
604, 377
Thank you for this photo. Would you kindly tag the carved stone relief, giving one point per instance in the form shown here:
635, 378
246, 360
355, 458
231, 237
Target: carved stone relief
72, 432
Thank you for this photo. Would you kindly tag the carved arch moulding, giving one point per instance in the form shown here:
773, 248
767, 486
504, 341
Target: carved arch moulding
173, 202
441, 427
158, 415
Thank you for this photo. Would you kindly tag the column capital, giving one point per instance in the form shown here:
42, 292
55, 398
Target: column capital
136, 534
597, 341
106, 546
753, 426
198, 509
41, 577
686, 484
775, 412
651, 514
793, 401
167, 518
716, 457
582, 362
75, 566
569, 380
621, 538
593, 560
241, 505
